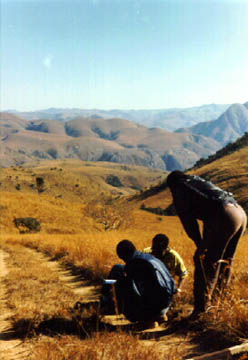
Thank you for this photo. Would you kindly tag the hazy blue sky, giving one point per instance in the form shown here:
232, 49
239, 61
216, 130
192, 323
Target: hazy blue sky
126, 54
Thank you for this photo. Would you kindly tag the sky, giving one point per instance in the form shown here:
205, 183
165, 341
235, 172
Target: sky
122, 54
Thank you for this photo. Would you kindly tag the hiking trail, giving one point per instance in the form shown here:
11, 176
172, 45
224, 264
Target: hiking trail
18, 260
10, 348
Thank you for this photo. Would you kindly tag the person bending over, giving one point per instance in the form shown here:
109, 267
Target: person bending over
224, 222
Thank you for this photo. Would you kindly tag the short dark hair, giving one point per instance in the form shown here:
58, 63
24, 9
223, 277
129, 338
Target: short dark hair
174, 177
125, 249
161, 241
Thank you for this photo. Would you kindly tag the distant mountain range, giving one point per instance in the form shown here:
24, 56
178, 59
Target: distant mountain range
232, 124
114, 140
168, 119
95, 138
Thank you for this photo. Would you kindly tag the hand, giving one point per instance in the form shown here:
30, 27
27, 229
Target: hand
178, 292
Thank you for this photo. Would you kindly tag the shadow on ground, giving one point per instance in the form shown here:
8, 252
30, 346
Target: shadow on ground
203, 338
28, 328
197, 333
83, 327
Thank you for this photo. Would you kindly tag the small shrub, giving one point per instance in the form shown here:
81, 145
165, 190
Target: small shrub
114, 181
40, 183
27, 225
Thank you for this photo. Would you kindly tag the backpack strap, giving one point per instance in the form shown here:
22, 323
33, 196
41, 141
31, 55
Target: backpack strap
208, 190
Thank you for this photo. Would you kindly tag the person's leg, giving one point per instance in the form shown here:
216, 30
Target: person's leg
200, 290
222, 243
136, 310
215, 240
107, 302
129, 302
240, 219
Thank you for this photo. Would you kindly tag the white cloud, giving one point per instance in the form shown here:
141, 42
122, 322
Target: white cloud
47, 61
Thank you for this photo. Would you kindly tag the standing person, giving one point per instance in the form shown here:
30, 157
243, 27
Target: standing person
224, 222
172, 260
144, 286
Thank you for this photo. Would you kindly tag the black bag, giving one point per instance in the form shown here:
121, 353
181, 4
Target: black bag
208, 190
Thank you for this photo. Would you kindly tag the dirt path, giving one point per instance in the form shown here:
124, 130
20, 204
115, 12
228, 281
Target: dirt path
78, 285
48, 290
17, 260
89, 293
10, 349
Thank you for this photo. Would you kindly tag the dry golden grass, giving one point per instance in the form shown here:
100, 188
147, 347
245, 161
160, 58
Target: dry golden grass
34, 291
40, 303
230, 315
72, 231
118, 346
33, 306
76, 180
95, 250
76, 197
96, 253
230, 173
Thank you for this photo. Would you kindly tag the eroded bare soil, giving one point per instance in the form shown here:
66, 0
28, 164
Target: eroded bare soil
10, 347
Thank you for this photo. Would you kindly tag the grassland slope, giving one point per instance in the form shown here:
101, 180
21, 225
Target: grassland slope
71, 196
228, 168
86, 209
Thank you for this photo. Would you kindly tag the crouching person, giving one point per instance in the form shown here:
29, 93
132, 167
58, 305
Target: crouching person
172, 260
144, 287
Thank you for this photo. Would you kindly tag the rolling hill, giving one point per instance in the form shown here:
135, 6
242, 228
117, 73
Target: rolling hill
95, 139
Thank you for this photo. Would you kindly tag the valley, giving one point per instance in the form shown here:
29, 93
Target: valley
87, 136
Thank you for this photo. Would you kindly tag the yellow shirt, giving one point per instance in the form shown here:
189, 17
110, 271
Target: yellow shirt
172, 261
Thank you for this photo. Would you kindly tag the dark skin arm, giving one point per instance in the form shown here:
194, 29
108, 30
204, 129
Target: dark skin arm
186, 209
183, 205
191, 227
